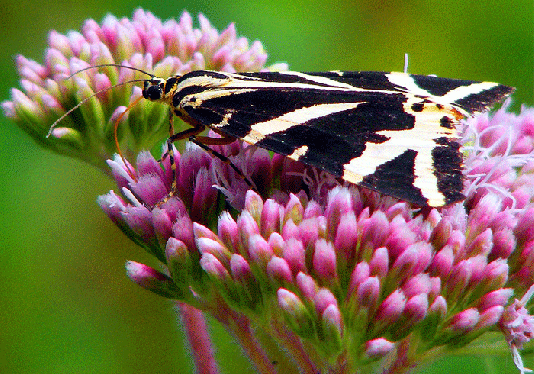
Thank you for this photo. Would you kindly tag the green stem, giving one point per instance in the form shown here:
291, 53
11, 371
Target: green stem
295, 348
240, 327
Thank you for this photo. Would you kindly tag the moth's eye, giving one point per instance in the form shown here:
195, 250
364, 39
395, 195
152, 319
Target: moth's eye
152, 92
146, 86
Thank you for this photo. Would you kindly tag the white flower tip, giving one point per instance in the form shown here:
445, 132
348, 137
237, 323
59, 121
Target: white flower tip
9, 109
518, 361
61, 132
528, 295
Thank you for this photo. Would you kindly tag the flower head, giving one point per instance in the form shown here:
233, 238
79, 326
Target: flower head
351, 264
165, 49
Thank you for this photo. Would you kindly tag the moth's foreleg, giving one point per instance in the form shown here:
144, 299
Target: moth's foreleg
191, 132
171, 122
204, 141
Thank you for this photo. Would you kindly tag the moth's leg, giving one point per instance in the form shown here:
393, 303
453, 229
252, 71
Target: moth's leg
225, 139
171, 134
171, 122
204, 141
196, 128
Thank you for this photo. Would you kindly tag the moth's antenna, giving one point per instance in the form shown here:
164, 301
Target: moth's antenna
116, 65
406, 63
117, 121
96, 93
85, 100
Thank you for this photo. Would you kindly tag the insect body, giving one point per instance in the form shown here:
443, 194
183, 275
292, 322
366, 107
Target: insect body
394, 133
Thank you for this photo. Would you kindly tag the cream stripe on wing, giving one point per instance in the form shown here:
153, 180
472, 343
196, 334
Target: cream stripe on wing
407, 82
260, 130
320, 80
298, 153
420, 138
465, 91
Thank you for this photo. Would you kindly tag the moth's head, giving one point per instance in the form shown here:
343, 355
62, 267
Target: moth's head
154, 89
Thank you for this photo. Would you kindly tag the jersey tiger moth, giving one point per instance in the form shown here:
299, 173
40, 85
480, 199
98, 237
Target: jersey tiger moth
394, 133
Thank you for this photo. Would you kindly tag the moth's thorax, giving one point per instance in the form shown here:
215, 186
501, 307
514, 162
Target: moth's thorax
201, 81
179, 90
191, 89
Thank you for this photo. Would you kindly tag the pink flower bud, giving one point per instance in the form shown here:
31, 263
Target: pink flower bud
378, 347
324, 261
152, 280
278, 270
391, 308
465, 320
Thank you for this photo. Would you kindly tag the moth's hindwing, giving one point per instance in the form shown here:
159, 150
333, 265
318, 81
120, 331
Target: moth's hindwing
394, 133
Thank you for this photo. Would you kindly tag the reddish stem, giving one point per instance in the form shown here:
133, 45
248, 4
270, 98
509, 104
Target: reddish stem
199, 339
240, 327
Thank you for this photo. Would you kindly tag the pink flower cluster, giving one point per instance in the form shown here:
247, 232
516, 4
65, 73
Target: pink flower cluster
144, 42
351, 264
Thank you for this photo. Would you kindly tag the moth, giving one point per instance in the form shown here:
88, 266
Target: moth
394, 133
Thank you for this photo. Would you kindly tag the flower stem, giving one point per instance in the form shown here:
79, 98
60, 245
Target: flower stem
239, 326
293, 345
199, 339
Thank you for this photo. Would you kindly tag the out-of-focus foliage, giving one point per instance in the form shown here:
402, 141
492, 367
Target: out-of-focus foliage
65, 304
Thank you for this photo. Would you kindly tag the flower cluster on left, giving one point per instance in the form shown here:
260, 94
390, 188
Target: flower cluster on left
144, 42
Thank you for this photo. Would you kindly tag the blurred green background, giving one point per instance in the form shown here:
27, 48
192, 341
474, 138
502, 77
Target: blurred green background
66, 305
